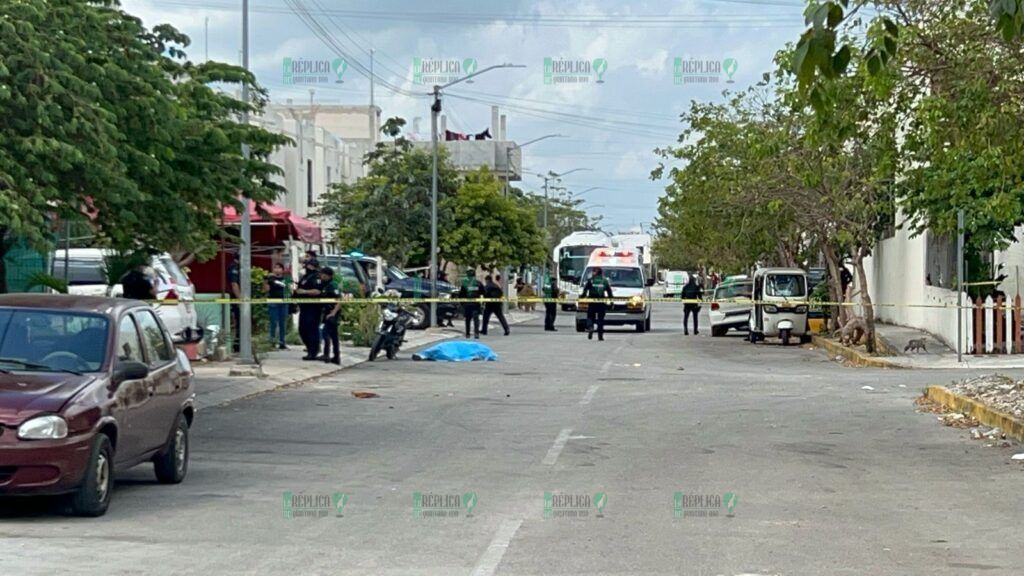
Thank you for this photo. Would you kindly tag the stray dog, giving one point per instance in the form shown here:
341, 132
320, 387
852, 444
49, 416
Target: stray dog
915, 345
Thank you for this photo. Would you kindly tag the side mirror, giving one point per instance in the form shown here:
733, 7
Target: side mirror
128, 370
190, 336
650, 282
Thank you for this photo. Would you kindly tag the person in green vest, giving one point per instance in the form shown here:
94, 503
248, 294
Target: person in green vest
550, 306
471, 288
597, 287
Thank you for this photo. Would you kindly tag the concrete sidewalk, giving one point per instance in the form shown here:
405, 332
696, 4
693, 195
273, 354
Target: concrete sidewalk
938, 355
215, 385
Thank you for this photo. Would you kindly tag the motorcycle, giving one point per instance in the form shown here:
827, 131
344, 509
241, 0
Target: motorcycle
395, 320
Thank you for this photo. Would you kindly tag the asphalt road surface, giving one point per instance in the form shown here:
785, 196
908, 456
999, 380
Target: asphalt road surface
661, 455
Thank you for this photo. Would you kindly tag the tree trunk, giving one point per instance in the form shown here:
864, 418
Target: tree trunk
839, 314
865, 298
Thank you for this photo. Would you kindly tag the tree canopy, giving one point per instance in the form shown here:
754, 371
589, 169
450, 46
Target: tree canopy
109, 121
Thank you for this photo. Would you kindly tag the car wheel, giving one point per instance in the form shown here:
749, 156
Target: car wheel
717, 331
420, 317
640, 326
93, 496
392, 352
172, 466
378, 343
581, 325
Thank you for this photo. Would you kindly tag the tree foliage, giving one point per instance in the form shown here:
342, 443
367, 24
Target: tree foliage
106, 118
387, 212
489, 230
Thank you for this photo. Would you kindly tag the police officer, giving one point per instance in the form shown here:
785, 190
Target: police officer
330, 331
471, 288
310, 286
550, 306
691, 294
493, 291
597, 287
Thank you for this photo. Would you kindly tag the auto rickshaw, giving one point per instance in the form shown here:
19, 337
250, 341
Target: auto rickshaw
780, 305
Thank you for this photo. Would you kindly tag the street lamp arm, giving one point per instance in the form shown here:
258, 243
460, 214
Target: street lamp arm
477, 73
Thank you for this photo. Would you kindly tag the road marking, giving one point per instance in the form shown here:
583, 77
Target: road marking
488, 564
557, 447
590, 394
606, 366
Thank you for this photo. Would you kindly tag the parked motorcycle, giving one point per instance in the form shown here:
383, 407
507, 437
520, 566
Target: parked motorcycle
395, 320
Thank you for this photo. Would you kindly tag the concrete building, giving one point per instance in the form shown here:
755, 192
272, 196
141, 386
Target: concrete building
497, 154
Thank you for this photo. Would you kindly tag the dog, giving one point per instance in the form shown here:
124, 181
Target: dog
915, 344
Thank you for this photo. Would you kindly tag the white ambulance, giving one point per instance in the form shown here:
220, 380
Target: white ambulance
631, 289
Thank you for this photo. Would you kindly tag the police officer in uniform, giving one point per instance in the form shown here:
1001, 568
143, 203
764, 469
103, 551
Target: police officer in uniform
550, 306
597, 287
493, 291
310, 286
471, 288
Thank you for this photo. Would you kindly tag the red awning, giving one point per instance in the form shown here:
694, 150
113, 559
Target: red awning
284, 225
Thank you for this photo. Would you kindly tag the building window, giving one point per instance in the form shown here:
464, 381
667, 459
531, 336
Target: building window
309, 183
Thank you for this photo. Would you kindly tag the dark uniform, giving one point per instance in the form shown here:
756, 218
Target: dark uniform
330, 332
692, 291
235, 278
492, 290
597, 287
550, 292
471, 288
310, 314
137, 286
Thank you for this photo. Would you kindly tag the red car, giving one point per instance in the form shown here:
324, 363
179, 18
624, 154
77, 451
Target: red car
88, 386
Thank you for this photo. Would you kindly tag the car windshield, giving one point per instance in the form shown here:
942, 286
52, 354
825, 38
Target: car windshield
396, 273
785, 285
619, 277
737, 290
44, 340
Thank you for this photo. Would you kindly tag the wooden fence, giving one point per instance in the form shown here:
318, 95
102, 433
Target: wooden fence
996, 326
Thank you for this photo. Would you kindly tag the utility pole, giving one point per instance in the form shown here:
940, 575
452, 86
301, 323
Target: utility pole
373, 112
245, 267
206, 38
435, 111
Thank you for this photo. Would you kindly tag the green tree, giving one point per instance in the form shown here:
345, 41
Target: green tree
489, 230
387, 212
106, 118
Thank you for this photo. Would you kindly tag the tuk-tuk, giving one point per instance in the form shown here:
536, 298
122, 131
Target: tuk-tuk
780, 305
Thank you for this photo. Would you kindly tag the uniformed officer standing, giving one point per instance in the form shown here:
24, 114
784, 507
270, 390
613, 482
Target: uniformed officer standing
550, 306
471, 288
493, 291
597, 287
310, 286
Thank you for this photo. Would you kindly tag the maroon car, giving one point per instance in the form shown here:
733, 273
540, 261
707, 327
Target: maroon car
88, 386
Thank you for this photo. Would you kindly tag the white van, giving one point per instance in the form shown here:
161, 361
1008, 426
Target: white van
674, 282
625, 273
85, 276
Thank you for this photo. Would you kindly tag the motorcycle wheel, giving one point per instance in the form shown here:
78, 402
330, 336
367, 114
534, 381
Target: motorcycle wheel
392, 351
378, 343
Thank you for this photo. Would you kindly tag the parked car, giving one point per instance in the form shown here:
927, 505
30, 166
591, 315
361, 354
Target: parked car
86, 277
413, 287
89, 386
725, 313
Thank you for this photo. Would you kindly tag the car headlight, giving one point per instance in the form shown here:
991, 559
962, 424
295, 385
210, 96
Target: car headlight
636, 302
50, 427
771, 309
390, 314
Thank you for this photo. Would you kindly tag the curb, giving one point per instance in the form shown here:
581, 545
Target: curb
1011, 426
856, 357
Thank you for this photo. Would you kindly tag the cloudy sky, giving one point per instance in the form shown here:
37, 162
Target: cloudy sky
611, 127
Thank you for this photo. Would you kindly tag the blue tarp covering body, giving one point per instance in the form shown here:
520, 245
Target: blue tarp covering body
458, 351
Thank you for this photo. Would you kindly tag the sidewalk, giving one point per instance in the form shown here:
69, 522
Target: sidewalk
938, 355
214, 385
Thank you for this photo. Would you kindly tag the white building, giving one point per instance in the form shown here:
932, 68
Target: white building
497, 154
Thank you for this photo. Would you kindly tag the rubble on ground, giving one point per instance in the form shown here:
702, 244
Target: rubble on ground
996, 391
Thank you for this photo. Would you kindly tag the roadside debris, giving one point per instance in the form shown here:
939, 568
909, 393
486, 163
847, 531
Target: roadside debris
999, 392
957, 420
867, 388
360, 394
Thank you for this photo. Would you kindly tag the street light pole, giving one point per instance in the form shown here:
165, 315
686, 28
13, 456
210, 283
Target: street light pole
547, 241
245, 267
435, 110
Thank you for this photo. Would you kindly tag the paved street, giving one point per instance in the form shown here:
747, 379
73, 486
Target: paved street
828, 478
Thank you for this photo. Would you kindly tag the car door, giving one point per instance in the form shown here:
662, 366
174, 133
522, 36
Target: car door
131, 398
163, 382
